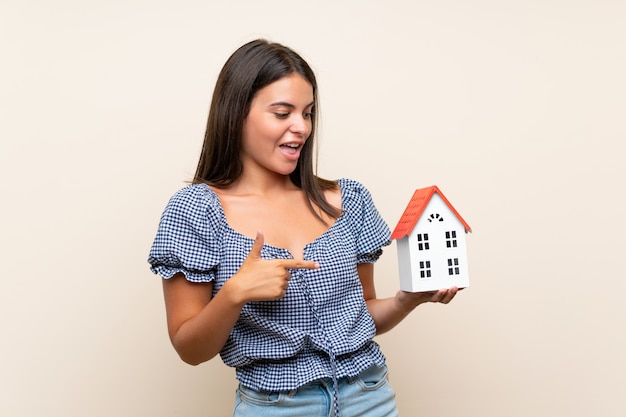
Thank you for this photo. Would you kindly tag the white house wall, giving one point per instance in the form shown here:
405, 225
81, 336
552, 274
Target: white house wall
405, 266
438, 254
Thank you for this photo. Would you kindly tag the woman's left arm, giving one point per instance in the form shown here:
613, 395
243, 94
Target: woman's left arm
388, 312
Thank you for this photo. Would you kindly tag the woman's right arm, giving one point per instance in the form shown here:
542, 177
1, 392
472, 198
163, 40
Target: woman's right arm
198, 324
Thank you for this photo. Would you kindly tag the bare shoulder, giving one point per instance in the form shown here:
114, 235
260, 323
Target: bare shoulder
221, 192
333, 196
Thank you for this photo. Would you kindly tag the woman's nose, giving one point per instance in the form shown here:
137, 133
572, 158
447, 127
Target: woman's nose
300, 125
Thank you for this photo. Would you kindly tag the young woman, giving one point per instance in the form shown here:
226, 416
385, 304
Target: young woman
271, 266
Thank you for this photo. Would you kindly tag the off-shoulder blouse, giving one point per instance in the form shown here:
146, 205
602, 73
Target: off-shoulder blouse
321, 328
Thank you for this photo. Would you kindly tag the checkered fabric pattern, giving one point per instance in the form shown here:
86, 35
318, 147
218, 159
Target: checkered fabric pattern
321, 328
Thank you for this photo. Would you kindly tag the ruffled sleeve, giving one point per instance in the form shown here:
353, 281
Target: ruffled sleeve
187, 237
368, 227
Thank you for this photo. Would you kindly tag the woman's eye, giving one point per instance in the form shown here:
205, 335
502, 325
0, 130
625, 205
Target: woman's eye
308, 115
281, 115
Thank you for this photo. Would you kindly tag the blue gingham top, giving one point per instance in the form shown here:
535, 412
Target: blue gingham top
321, 328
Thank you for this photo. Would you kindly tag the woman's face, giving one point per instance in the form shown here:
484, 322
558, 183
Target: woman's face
277, 126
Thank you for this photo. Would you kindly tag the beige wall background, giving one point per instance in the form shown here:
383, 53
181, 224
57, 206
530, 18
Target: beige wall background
515, 109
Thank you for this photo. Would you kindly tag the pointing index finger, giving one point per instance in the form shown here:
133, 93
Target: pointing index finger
300, 264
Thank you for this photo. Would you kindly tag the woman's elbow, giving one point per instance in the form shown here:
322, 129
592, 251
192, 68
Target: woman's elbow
192, 358
190, 354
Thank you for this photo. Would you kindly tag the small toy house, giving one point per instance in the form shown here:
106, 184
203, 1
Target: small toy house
430, 237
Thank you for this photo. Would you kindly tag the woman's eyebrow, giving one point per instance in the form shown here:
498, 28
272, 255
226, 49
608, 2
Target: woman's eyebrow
286, 104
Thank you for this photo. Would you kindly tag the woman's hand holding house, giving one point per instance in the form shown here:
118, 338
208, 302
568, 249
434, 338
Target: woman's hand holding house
413, 299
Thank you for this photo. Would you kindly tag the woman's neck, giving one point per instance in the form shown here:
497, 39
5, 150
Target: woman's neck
261, 184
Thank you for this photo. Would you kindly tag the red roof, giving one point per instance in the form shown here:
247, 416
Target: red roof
415, 209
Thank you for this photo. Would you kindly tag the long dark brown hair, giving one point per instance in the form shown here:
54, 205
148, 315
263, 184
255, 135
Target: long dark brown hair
249, 69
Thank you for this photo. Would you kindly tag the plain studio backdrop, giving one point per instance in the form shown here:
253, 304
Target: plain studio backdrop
515, 109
